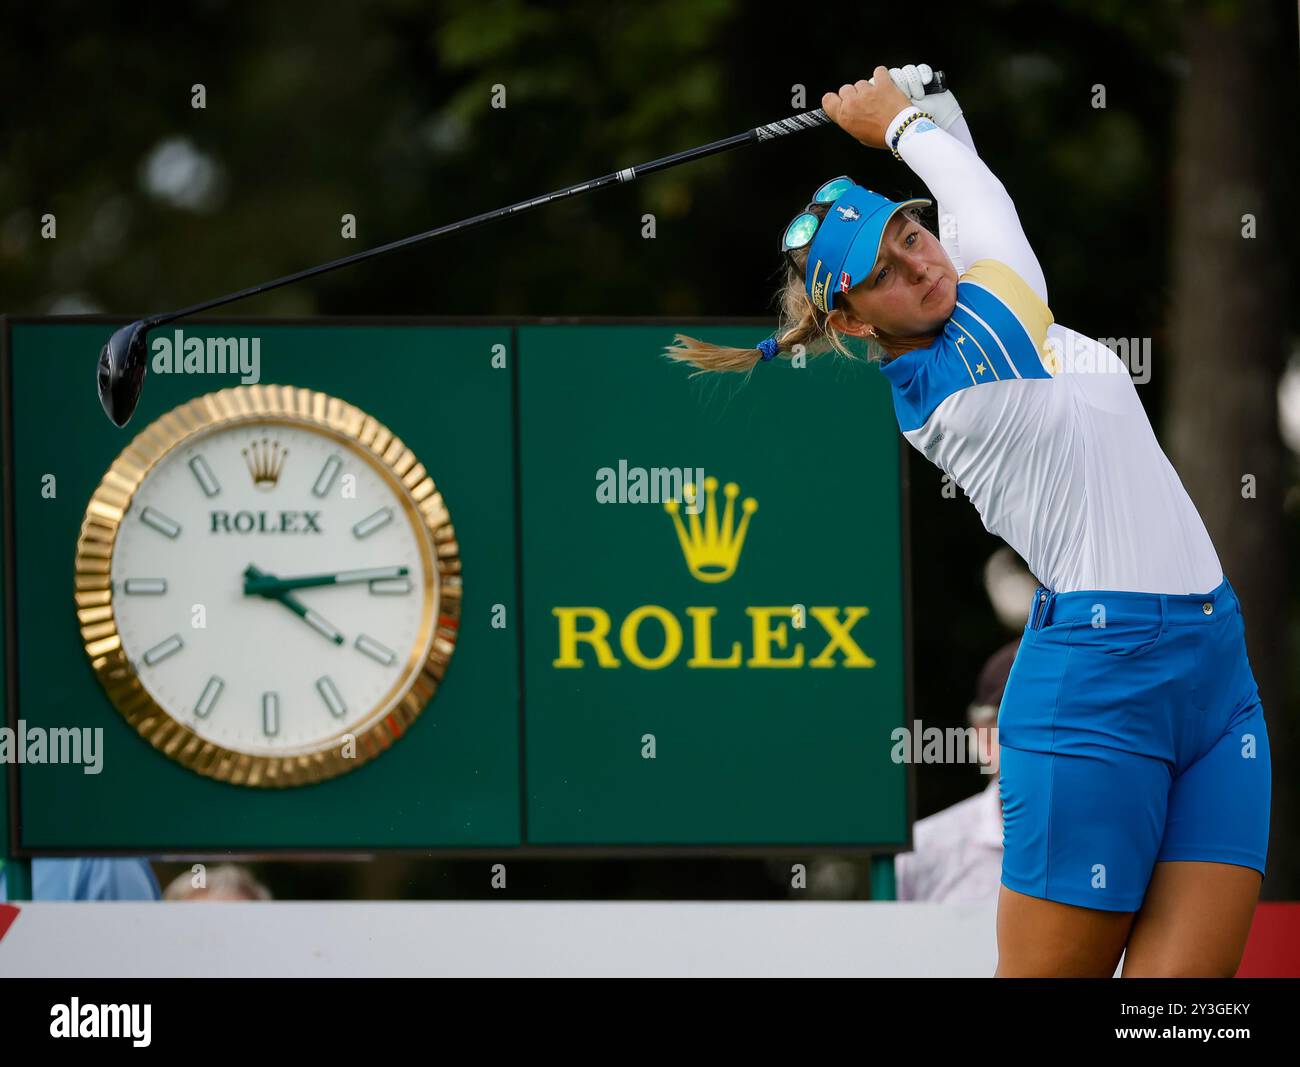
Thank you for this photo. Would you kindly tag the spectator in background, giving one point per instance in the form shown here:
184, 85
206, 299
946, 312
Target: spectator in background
90, 878
229, 881
958, 854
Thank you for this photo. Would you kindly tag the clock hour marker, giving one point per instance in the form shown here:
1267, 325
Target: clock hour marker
270, 714
208, 698
160, 522
390, 586
371, 523
207, 480
375, 650
145, 586
330, 694
163, 649
326, 476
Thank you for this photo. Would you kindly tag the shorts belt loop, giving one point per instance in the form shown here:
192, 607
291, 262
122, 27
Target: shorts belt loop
1232, 593
1042, 604
1036, 609
1164, 612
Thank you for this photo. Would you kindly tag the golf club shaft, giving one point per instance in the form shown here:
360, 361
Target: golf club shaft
808, 120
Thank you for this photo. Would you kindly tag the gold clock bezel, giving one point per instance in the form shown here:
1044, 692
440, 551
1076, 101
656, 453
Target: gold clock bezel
421, 499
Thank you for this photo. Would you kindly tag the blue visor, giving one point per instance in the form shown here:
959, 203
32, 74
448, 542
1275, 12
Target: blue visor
848, 243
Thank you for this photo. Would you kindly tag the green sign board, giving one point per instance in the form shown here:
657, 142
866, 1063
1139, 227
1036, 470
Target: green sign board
672, 615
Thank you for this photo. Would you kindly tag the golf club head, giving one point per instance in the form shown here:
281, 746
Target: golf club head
120, 374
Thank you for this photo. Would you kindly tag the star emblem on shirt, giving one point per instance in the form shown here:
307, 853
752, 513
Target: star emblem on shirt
962, 339
979, 368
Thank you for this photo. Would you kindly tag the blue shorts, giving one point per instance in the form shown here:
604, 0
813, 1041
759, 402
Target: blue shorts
1131, 732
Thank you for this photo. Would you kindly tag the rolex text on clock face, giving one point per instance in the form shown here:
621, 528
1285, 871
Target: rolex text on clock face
273, 586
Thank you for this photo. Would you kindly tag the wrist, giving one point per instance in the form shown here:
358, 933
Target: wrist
891, 129
918, 120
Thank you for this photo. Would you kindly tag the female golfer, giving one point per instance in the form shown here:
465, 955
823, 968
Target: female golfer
1135, 772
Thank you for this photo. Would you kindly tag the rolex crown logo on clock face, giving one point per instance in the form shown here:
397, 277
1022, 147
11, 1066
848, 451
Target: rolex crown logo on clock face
268, 586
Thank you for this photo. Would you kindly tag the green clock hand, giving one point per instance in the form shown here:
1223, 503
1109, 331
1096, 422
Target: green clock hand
268, 585
295, 605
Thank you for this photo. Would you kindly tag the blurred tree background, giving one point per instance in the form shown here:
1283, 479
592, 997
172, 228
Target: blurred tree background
383, 110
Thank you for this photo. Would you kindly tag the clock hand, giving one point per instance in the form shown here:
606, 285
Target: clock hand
268, 585
300, 609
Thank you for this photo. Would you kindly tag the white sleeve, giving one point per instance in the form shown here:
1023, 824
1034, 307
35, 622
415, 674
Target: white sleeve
947, 221
961, 131
963, 187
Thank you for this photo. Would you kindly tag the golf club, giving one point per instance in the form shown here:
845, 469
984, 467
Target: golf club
124, 358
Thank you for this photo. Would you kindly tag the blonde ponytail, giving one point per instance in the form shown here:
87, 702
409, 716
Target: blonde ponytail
802, 327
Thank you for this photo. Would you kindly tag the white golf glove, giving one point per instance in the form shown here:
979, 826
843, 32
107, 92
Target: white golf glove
912, 80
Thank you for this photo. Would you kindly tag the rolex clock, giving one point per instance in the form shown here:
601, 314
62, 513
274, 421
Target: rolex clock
268, 585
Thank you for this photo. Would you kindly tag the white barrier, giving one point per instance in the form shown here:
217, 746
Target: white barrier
473, 939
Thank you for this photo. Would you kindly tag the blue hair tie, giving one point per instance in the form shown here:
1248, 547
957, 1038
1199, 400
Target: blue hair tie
769, 346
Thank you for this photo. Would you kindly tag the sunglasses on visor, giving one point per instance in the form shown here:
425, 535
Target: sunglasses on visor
803, 227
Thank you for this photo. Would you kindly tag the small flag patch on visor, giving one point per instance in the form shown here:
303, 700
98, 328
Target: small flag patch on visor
846, 283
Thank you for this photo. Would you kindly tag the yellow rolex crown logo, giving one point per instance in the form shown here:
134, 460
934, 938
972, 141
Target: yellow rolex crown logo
712, 548
265, 461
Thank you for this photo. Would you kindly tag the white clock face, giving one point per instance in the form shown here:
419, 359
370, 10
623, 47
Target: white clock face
273, 588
